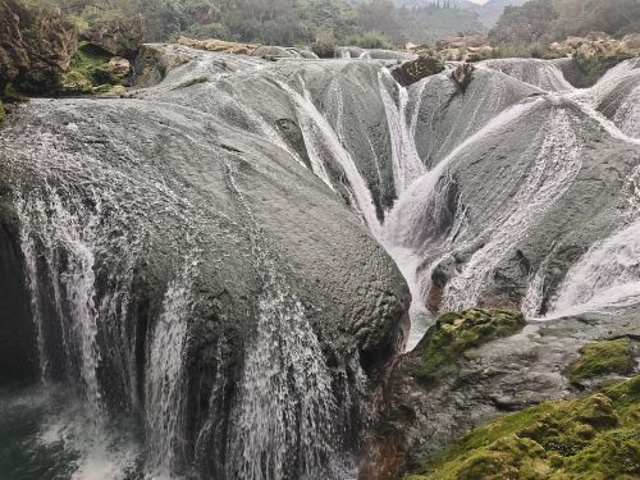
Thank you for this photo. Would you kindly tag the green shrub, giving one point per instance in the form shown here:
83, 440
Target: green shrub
325, 44
369, 40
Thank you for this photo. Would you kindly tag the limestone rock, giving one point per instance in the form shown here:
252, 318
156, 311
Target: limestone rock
35, 48
215, 45
121, 37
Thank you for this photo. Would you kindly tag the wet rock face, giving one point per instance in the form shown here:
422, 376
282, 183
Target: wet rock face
18, 352
227, 286
36, 48
119, 38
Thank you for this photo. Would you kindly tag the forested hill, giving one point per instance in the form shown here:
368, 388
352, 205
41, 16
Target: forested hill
367, 23
488, 13
551, 20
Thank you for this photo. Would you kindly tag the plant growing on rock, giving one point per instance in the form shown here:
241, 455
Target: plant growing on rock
602, 358
597, 436
454, 333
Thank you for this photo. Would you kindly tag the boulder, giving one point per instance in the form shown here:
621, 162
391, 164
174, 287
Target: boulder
414, 71
120, 37
462, 76
120, 66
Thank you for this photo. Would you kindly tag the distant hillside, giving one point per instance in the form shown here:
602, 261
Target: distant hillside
425, 3
546, 21
490, 12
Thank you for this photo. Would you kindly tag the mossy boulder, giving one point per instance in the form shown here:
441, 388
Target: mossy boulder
597, 436
95, 71
414, 71
454, 333
2, 111
603, 358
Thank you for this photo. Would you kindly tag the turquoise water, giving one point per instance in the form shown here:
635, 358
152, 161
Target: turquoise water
48, 436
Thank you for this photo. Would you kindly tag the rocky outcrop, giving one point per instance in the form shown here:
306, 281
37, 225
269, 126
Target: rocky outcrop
94, 71
462, 76
414, 71
18, 352
221, 46
422, 420
121, 37
14, 58
594, 436
35, 48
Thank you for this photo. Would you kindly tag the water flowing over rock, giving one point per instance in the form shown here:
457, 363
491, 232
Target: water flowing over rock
213, 285
206, 256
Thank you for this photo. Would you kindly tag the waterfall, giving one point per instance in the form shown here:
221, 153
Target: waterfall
628, 115
165, 377
608, 275
407, 165
557, 162
323, 145
195, 276
73, 280
282, 422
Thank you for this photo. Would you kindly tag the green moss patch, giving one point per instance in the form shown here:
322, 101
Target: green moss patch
455, 333
602, 358
2, 111
597, 436
90, 72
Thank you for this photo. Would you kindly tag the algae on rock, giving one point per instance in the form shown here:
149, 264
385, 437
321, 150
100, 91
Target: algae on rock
597, 436
454, 333
95, 71
602, 358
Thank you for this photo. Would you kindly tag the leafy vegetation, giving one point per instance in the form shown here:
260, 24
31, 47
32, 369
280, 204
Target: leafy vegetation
597, 437
551, 20
455, 333
601, 358
276, 22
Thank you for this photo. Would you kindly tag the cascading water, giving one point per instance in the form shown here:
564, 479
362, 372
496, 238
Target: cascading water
282, 422
218, 290
607, 276
557, 161
165, 377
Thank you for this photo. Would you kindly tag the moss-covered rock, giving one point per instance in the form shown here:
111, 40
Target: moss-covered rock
454, 333
597, 437
95, 71
2, 111
602, 358
414, 71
